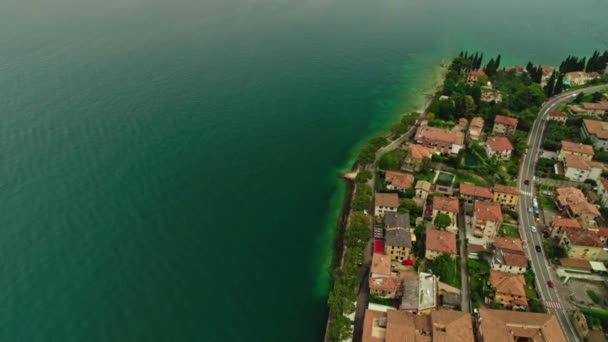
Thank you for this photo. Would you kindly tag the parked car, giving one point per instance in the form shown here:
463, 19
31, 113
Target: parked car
530, 210
551, 284
533, 229
537, 247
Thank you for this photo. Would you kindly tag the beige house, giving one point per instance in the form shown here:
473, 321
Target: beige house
398, 180
439, 242
487, 217
557, 116
597, 131
576, 149
499, 147
507, 196
385, 203
504, 125
583, 245
476, 128
602, 191
509, 290
560, 224
423, 188
448, 206
509, 256
572, 202
590, 108
580, 169
510, 326
382, 281
416, 155
576, 78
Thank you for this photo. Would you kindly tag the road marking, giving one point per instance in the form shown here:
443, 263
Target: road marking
553, 305
527, 193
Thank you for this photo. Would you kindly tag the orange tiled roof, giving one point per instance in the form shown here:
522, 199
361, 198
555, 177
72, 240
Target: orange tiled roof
578, 263
381, 264
440, 241
509, 243
580, 163
597, 128
508, 283
420, 152
577, 148
584, 238
499, 144
488, 211
558, 114
467, 189
507, 326
477, 122
386, 200
565, 222
440, 135
516, 260
399, 179
505, 120
448, 204
505, 189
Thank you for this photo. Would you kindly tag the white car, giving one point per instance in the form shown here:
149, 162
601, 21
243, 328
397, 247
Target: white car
533, 229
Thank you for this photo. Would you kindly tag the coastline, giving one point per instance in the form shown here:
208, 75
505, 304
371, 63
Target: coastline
434, 84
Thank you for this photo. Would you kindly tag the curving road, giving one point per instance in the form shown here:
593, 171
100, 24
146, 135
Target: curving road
538, 261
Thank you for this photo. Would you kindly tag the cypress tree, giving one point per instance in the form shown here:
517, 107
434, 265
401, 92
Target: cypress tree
529, 67
559, 85
478, 62
550, 86
497, 62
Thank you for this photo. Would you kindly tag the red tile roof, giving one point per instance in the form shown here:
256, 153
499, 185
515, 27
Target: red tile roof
448, 204
577, 148
583, 238
477, 122
576, 263
499, 144
381, 264
508, 283
420, 152
475, 248
399, 179
439, 135
386, 200
509, 243
505, 189
565, 222
488, 211
440, 241
517, 260
467, 189
477, 73
597, 128
558, 114
505, 120
602, 232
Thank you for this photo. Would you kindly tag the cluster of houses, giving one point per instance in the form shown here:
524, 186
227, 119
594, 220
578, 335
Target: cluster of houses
422, 305
450, 141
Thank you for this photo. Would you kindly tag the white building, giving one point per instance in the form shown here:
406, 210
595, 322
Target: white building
579, 170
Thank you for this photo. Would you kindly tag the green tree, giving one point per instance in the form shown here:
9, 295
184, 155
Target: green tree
550, 86
579, 98
363, 176
442, 220
469, 104
340, 328
445, 268
559, 85
426, 165
596, 97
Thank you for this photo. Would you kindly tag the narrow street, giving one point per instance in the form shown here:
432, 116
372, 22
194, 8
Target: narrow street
464, 267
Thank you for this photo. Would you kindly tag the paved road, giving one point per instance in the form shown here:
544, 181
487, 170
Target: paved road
539, 263
465, 303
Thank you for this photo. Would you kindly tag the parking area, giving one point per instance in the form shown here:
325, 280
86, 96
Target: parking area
582, 291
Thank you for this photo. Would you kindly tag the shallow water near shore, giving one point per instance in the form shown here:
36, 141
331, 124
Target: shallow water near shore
169, 169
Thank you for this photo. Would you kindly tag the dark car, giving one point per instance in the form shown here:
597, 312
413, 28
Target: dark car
551, 283
527, 182
537, 247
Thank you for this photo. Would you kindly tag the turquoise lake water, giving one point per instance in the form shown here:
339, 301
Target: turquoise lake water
169, 169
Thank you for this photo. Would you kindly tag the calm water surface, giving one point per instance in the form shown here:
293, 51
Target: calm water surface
168, 168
